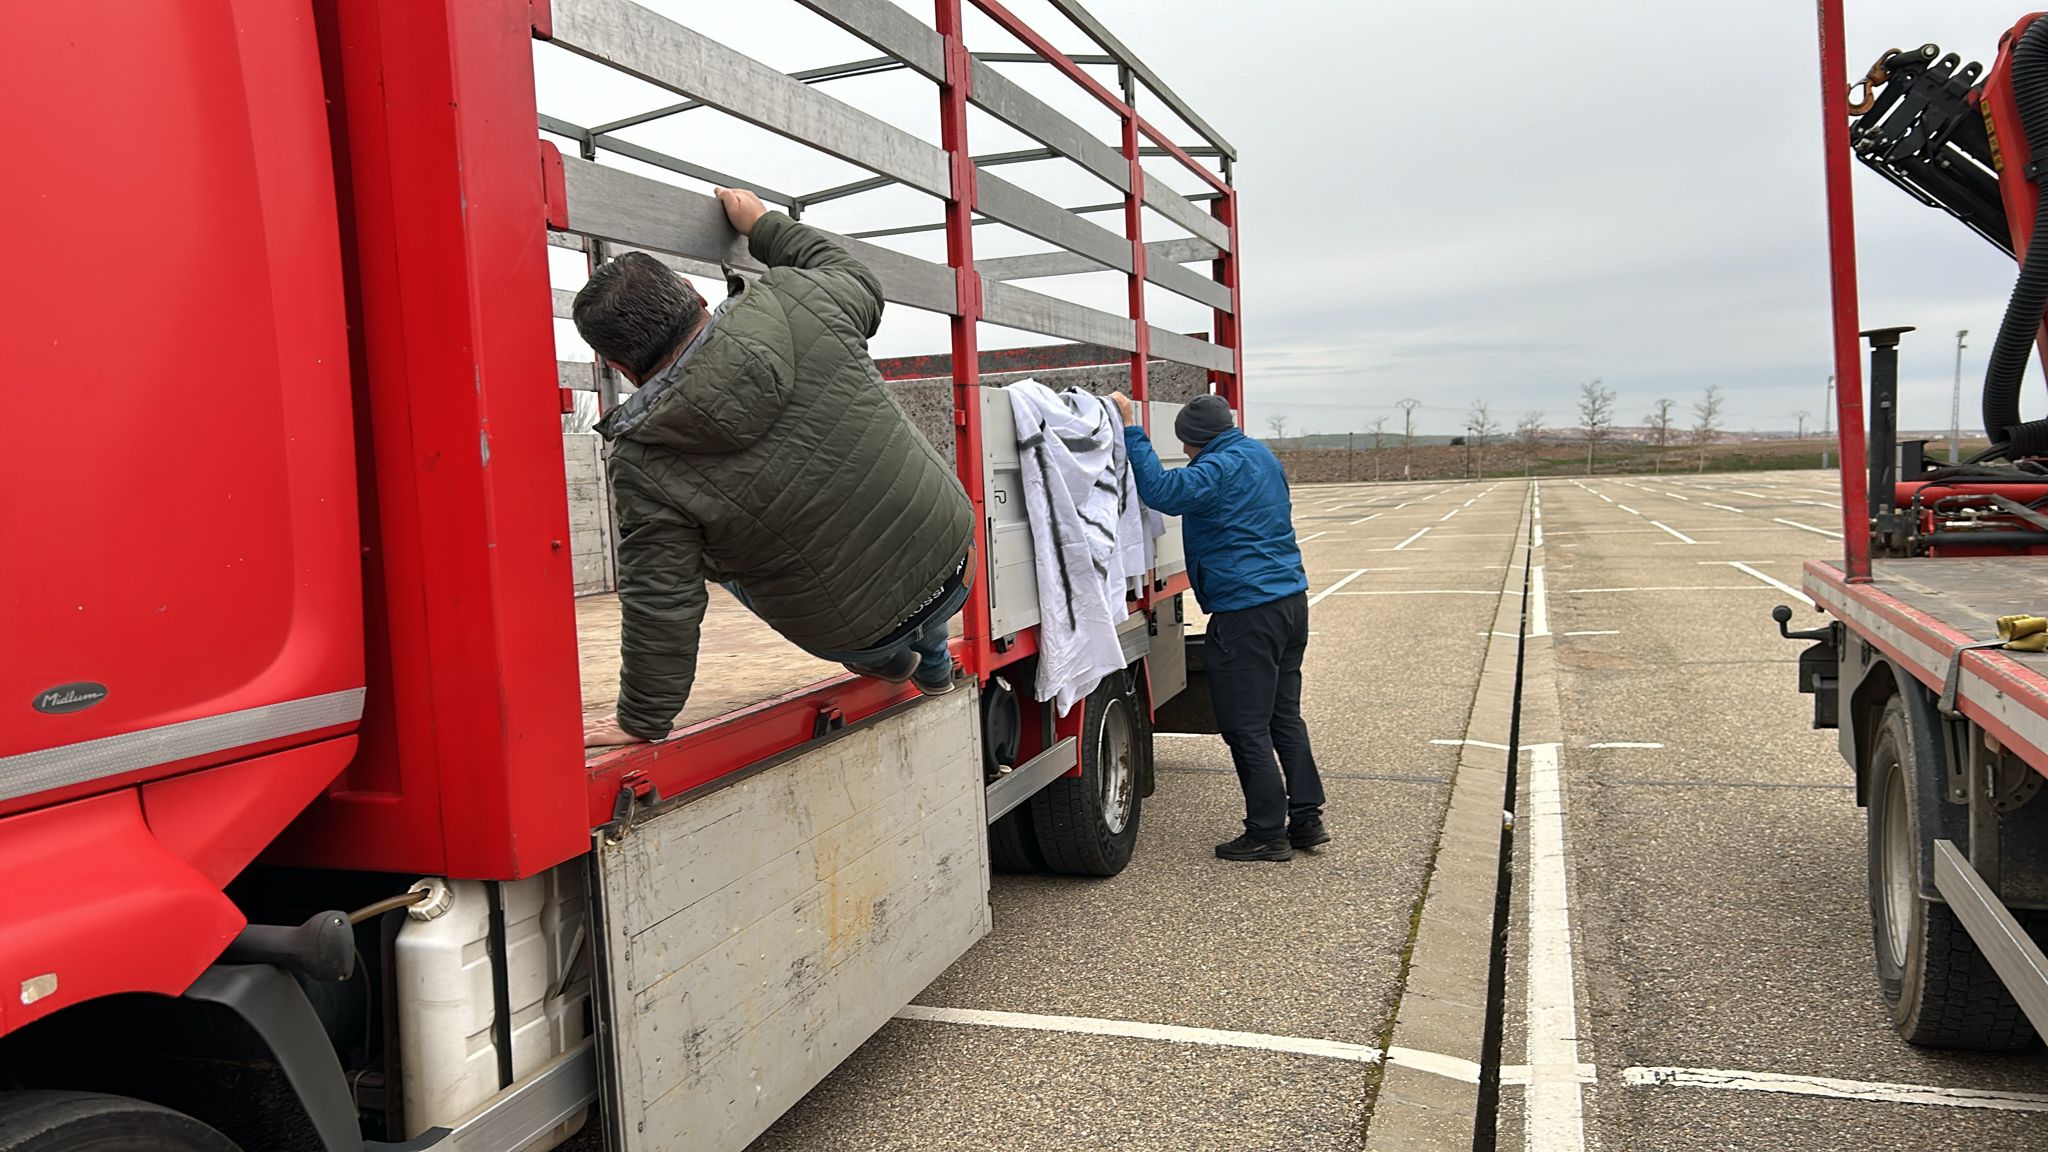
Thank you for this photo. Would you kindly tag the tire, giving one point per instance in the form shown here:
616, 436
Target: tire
1941, 990
1013, 843
43, 1121
1087, 825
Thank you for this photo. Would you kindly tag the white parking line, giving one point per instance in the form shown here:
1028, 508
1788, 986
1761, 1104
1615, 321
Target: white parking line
1751, 495
1869, 1090
1682, 537
1411, 539
1627, 509
1428, 592
1539, 603
1676, 496
1536, 535
1471, 744
1553, 1105
1137, 1030
1807, 527
1312, 536
1666, 588
1724, 507
1319, 597
1363, 519
1448, 515
1775, 583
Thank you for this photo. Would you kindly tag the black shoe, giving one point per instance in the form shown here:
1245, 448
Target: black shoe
1246, 848
1308, 834
939, 687
897, 670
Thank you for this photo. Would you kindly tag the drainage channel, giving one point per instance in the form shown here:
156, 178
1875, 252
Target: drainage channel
1454, 997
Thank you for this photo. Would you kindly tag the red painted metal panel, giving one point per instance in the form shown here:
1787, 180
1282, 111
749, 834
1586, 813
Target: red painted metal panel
185, 535
1834, 103
472, 732
1229, 330
221, 819
95, 905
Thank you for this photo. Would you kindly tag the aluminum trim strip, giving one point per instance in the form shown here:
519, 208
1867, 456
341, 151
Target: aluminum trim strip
520, 1116
2013, 955
1023, 782
27, 773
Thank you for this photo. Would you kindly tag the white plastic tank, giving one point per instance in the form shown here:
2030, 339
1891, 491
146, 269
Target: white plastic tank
447, 992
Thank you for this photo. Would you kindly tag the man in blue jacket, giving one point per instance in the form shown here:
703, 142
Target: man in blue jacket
1238, 526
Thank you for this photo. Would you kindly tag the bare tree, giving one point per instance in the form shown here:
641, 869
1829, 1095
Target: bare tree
1483, 427
1279, 426
1706, 425
1379, 441
1801, 417
1660, 426
1596, 417
1529, 430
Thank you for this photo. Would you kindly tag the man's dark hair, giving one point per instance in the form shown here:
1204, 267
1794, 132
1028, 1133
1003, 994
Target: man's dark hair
635, 311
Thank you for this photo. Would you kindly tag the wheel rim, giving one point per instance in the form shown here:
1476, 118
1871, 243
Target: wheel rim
1897, 857
1114, 753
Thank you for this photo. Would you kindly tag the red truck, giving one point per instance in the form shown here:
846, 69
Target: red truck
1945, 727
298, 843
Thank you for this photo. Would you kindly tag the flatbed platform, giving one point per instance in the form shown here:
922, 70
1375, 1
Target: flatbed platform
1923, 612
741, 661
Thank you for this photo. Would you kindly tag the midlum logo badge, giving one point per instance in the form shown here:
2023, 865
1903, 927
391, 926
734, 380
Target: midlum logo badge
70, 697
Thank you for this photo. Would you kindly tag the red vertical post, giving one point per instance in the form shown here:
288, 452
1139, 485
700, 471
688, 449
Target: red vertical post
1229, 328
1134, 229
1834, 103
976, 642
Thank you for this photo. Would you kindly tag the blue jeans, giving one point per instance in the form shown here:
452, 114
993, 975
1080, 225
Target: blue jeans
934, 662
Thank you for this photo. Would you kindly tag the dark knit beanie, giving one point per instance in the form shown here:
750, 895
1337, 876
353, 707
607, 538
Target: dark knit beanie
1204, 419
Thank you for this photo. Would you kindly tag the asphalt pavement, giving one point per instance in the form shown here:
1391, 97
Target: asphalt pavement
1688, 960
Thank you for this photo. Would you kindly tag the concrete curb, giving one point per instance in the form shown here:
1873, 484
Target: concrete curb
1443, 1001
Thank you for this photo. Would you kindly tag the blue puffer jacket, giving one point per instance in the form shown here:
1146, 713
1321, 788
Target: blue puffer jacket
1236, 519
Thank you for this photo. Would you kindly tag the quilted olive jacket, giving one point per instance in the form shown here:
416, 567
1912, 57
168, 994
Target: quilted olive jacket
770, 454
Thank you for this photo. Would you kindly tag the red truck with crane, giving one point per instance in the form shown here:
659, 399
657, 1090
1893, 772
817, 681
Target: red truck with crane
1924, 667
299, 847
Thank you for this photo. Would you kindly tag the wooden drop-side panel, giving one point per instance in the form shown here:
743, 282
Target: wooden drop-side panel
754, 936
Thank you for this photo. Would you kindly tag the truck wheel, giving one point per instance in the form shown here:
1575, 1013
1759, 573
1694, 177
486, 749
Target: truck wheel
43, 1121
1013, 843
1087, 825
1941, 991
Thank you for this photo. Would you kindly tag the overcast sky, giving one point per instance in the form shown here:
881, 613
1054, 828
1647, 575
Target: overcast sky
1467, 200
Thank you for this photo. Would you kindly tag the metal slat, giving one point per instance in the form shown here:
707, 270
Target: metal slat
1182, 211
889, 28
1073, 10
1005, 99
1015, 307
1162, 267
1170, 345
576, 375
1000, 200
1067, 264
574, 242
634, 40
619, 206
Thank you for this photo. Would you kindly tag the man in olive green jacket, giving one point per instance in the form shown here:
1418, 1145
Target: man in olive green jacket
760, 450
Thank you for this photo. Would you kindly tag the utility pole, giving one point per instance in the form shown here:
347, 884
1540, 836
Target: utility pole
1350, 457
1408, 408
1827, 414
1955, 405
1801, 417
